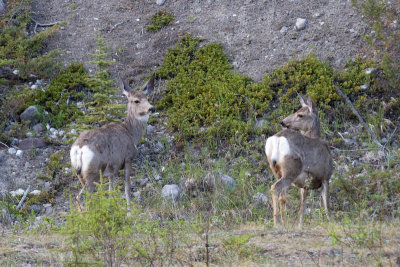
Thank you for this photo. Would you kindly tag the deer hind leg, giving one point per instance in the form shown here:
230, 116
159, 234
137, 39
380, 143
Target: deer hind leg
78, 199
325, 196
282, 204
128, 169
278, 191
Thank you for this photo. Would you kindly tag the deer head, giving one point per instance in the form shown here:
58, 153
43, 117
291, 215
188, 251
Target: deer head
305, 119
138, 104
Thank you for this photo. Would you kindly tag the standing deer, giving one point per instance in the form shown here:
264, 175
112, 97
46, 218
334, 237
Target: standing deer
113, 146
293, 156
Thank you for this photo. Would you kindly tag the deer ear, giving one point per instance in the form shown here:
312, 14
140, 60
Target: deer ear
149, 85
310, 103
302, 100
125, 87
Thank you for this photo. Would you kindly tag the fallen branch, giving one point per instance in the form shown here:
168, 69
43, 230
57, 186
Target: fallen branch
23, 198
1, 143
359, 116
116, 25
42, 24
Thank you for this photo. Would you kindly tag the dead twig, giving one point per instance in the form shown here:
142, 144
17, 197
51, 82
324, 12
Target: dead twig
23, 198
1, 143
116, 25
359, 117
42, 24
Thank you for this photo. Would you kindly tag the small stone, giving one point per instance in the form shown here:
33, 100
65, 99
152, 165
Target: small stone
12, 151
228, 181
73, 131
352, 30
47, 186
18, 192
16, 72
38, 128
19, 153
260, 199
150, 129
35, 192
364, 87
235, 64
36, 208
143, 182
34, 86
317, 15
284, 30
160, 2
61, 133
52, 130
301, 24
384, 140
27, 164
47, 127
171, 192
29, 134
370, 71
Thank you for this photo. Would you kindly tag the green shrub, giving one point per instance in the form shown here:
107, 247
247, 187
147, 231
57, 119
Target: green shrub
108, 233
159, 20
205, 99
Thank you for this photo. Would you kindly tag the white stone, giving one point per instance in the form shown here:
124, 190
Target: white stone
370, 71
301, 24
73, 131
52, 130
47, 126
19, 153
364, 87
12, 151
18, 192
171, 192
61, 133
160, 2
16, 72
35, 192
34, 86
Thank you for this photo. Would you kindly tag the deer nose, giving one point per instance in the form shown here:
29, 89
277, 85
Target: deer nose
152, 109
283, 124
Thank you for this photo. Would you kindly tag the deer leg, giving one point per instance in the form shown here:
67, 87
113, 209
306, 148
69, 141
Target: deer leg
303, 197
325, 195
78, 199
110, 182
280, 186
128, 168
282, 204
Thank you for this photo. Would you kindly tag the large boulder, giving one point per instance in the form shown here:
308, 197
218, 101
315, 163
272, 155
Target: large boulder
26, 144
30, 114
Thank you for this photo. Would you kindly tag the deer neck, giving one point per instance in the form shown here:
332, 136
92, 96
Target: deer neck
314, 132
135, 128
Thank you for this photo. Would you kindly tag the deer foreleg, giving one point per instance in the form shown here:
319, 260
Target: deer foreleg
325, 195
303, 197
128, 168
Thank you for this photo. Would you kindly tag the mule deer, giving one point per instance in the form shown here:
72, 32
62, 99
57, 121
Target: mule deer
293, 156
113, 146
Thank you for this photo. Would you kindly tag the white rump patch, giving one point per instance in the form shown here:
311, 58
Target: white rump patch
87, 156
75, 157
276, 148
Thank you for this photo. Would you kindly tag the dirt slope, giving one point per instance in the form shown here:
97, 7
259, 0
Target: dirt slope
251, 31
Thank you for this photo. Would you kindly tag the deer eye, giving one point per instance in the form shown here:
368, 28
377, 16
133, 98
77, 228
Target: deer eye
300, 115
137, 101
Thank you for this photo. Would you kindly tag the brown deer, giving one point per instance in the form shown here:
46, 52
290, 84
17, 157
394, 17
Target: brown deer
294, 156
113, 146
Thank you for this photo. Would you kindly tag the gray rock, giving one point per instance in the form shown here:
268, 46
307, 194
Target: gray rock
171, 192
26, 144
19, 153
301, 24
38, 128
160, 2
30, 114
16, 72
227, 181
48, 209
36, 208
12, 151
27, 164
260, 199
284, 30
47, 186
364, 87
370, 71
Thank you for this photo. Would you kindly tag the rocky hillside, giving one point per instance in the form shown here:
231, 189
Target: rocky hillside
227, 73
